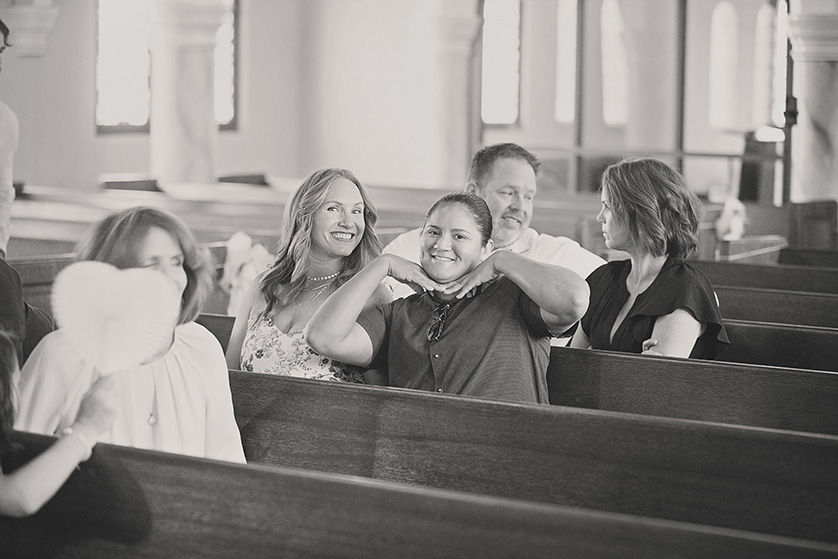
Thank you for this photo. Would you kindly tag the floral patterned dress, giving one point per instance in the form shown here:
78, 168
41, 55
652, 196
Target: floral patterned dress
267, 349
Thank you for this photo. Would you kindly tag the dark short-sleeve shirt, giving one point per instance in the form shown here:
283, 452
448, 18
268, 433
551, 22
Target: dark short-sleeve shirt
678, 286
494, 345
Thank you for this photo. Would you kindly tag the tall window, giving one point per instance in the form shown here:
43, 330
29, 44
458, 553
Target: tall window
723, 70
614, 66
123, 67
565, 107
501, 61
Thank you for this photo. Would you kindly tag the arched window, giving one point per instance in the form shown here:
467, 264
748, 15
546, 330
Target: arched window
123, 67
614, 65
724, 49
501, 67
764, 40
566, 21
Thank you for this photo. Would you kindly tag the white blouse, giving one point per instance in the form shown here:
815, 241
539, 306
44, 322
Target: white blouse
180, 403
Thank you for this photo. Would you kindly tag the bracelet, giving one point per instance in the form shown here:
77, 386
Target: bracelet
87, 446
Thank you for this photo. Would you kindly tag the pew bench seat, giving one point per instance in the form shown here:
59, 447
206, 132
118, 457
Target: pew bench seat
759, 480
131, 503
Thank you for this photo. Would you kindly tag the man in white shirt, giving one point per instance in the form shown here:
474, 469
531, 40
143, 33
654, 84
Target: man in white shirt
504, 175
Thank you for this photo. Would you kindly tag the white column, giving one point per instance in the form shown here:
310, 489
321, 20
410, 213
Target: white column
651, 49
183, 130
814, 156
458, 27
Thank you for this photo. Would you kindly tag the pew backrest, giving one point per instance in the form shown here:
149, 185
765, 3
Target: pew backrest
809, 257
781, 345
773, 305
766, 481
221, 326
765, 276
131, 503
694, 389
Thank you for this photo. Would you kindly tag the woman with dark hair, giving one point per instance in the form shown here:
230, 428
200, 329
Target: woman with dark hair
327, 236
177, 399
655, 302
24, 491
481, 328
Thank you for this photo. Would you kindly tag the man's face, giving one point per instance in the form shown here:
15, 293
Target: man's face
509, 189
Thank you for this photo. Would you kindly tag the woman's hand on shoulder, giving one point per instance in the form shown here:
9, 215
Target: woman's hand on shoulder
484, 272
410, 273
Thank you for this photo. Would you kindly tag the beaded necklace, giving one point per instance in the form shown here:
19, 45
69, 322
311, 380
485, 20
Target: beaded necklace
324, 278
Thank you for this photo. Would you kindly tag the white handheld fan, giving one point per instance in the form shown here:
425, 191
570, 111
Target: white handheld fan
115, 318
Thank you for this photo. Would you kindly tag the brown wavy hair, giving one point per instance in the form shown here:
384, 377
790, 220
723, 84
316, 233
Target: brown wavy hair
293, 258
654, 203
115, 239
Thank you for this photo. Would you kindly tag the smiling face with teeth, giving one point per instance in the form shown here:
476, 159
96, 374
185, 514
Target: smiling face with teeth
451, 243
338, 224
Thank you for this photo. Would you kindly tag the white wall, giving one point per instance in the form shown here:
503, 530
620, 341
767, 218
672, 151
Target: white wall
54, 98
353, 83
371, 90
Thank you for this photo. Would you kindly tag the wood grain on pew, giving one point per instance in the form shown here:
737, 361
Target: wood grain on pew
728, 390
786, 278
809, 257
132, 503
767, 481
778, 306
781, 345
694, 389
221, 326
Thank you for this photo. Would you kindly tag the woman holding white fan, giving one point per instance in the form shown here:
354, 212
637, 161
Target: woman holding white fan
127, 309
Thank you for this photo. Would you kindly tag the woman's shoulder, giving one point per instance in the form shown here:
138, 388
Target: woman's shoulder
686, 275
56, 343
609, 271
55, 356
382, 295
194, 335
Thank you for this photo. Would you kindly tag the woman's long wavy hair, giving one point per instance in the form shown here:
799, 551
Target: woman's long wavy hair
8, 366
116, 238
287, 277
653, 201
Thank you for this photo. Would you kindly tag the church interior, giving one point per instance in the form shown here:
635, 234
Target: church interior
216, 111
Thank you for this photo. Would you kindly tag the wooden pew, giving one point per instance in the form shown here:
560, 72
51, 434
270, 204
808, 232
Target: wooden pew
767, 481
693, 389
809, 257
132, 503
786, 278
773, 305
781, 345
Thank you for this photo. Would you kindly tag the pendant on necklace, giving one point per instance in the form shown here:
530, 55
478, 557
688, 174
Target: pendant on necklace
152, 420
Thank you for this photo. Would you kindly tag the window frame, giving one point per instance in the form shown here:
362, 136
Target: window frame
231, 126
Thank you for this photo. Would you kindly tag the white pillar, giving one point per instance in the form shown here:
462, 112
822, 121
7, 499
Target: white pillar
183, 130
458, 27
814, 156
652, 89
